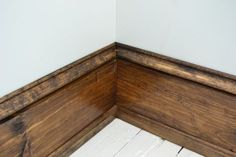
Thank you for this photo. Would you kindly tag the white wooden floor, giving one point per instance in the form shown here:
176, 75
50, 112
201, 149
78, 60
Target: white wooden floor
120, 139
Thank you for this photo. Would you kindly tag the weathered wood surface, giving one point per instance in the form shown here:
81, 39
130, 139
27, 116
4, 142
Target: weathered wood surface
56, 118
200, 111
209, 77
31, 93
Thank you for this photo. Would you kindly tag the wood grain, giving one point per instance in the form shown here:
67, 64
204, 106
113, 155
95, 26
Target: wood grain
195, 109
206, 76
56, 118
83, 136
185, 103
31, 93
173, 135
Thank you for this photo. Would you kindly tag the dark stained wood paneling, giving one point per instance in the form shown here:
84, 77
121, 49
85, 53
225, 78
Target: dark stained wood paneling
79, 139
195, 109
187, 104
173, 135
209, 77
56, 118
31, 93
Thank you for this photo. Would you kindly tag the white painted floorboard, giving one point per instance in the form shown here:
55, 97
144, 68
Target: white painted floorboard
109, 141
166, 149
188, 153
140, 146
120, 139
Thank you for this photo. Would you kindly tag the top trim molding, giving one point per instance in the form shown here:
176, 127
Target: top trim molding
38, 89
25, 96
189, 71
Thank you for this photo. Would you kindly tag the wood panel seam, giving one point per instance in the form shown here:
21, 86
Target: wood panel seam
224, 85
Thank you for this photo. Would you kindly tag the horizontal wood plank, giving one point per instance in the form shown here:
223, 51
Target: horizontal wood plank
31, 93
192, 108
173, 135
53, 120
184, 103
83, 136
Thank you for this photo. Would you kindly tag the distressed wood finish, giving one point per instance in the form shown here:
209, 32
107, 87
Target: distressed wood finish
178, 68
56, 118
31, 93
187, 104
195, 109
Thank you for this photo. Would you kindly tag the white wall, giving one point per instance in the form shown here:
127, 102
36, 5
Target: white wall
198, 31
40, 36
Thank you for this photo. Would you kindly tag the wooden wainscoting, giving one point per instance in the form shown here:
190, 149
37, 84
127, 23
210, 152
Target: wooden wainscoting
195, 73
70, 103
198, 112
31, 93
184, 103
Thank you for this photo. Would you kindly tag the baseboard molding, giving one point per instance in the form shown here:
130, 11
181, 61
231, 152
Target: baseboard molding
79, 96
196, 73
83, 136
187, 104
192, 108
38, 89
173, 135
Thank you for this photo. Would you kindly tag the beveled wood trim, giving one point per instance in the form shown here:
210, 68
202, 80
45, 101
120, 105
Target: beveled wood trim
31, 93
87, 133
206, 76
173, 135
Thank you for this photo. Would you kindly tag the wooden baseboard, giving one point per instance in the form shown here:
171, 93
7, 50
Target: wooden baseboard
83, 136
195, 73
200, 111
38, 89
38, 120
187, 104
171, 134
